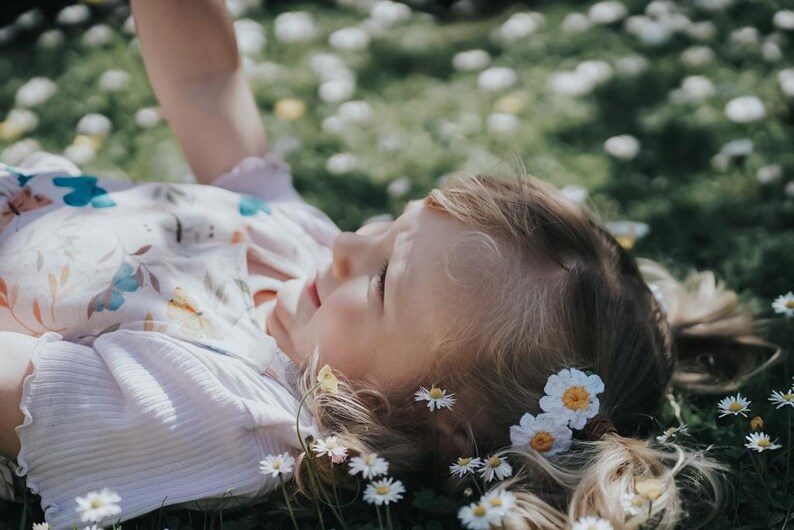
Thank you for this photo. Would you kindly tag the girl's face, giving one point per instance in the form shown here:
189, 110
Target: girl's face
385, 340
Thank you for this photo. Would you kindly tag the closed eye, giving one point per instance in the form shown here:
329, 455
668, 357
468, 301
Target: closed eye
382, 280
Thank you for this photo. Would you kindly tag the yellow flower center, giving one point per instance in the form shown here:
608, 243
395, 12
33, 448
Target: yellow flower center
494, 461
763, 442
464, 461
436, 393
790, 304
576, 398
671, 430
277, 464
382, 489
788, 396
735, 406
542, 442
479, 511
97, 503
496, 502
637, 501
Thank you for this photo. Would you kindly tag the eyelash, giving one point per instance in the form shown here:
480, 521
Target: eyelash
382, 278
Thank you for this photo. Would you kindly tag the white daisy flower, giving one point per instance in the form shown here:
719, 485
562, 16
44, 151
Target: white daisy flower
573, 83
71, 15
479, 516
671, 433
634, 504
471, 60
41, 526
295, 26
785, 78
389, 13
500, 500
745, 109
784, 304
349, 39
546, 434
576, 23
94, 123
519, 26
784, 19
575, 193
147, 117
384, 491
502, 122
341, 163
250, 36
495, 467
370, 465
497, 78
760, 442
114, 80
35, 91
733, 405
591, 523
465, 465
336, 90
98, 35
781, 399
624, 146
276, 465
331, 447
436, 398
98, 505
51, 39
571, 394
607, 12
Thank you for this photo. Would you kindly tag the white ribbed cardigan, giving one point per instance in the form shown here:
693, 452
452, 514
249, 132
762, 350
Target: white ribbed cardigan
155, 419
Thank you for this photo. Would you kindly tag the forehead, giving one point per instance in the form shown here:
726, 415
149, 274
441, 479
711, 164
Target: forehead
427, 244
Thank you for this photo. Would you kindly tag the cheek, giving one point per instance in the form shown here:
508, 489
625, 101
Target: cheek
340, 328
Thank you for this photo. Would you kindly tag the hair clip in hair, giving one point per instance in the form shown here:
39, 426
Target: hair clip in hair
569, 403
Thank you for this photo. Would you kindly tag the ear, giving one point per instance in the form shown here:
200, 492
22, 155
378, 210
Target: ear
454, 438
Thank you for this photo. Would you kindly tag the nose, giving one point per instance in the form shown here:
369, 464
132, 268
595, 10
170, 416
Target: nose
355, 253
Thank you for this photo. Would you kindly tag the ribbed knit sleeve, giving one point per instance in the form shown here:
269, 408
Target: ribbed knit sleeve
157, 420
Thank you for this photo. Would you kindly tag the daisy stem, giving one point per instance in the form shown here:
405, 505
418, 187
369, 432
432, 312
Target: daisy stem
435, 450
337, 506
788, 455
388, 517
286, 499
477, 484
380, 519
312, 478
761, 475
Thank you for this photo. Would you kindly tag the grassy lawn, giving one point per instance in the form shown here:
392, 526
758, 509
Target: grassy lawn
564, 86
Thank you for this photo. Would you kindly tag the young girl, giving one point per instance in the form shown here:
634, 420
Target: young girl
157, 337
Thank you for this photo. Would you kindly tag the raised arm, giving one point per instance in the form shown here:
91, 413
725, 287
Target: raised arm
194, 67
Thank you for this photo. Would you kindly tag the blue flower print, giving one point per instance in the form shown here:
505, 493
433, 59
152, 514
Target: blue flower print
124, 280
85, 191
22, 176
250, 205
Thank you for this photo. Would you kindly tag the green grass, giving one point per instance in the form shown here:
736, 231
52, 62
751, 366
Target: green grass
700, 217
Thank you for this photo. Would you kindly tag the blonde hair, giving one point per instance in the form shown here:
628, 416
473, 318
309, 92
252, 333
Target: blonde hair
555, 290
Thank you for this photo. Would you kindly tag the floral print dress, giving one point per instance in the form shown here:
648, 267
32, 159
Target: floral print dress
83, 256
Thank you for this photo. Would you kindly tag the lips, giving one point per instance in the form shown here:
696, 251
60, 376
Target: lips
312, 288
